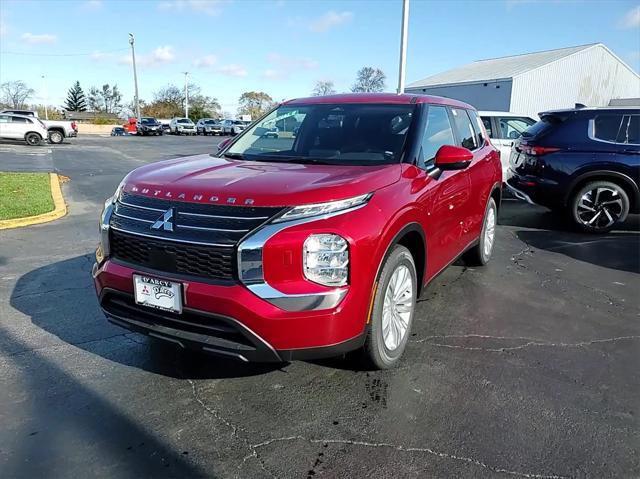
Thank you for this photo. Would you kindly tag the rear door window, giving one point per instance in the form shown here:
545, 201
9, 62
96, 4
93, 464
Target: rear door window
631, 133
512, 128
486, 121
18, 119
607, 127
437, 133
477, 127
464, 128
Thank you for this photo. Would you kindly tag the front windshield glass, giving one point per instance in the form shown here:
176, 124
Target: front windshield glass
184, 120
344, 134
211, 122
148, 121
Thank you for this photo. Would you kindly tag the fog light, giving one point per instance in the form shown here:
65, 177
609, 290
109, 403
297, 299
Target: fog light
326, 259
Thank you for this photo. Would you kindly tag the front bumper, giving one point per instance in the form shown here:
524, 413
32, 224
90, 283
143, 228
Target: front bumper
225, 320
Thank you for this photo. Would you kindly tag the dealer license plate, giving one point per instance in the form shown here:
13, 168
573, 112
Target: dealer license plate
157, 293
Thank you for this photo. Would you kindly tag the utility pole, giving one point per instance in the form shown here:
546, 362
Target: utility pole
186, 94
403, 45
135, 76
46, 97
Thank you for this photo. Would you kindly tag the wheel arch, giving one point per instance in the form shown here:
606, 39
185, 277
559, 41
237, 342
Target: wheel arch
58, 129
496, 194
412, 237
622, 180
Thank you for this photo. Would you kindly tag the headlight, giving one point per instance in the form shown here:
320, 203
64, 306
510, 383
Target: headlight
318, 209
326, 259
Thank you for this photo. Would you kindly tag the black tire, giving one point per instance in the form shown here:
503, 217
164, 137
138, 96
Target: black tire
598, 206
56, 137
33, 139
480, 254
376, 353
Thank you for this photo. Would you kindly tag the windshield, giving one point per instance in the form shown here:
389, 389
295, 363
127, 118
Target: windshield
184, 120
343, 134
211, 122
148, 121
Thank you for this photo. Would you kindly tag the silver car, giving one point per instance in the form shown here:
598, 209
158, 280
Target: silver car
20, 127
182, 126
233, 127
208, 126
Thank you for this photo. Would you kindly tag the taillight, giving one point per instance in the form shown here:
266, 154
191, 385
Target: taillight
74, 126
538, 150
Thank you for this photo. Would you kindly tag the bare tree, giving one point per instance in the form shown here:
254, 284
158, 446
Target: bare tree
169, 102
323, 87
369, 80
254, 103
15, 93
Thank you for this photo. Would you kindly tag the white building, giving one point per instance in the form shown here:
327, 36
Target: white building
589, 74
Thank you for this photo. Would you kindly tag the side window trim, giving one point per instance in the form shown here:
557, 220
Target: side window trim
591, 131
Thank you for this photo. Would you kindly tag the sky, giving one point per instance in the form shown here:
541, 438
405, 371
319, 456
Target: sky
282, 47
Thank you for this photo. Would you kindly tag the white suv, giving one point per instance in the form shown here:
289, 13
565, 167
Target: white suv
20, 127
182, 126
504, 128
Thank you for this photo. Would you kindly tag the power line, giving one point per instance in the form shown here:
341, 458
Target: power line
98, 52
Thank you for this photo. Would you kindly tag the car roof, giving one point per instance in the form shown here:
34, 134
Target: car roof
379, 98
502, 113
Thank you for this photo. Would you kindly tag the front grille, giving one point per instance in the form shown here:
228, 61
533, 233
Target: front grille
199, 241
184, 259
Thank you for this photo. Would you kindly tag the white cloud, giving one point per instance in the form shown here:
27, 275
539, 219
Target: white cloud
159, 56
631, 18
292, 63
271, 74
33, 39
206, 61
97, 55
233, 70
93, 4
329, 20
208, 7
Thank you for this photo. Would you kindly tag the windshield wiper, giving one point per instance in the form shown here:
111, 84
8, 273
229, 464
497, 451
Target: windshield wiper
234, 156
292, 159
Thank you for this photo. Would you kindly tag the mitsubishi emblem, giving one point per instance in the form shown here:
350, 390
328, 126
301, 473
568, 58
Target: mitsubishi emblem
165, 222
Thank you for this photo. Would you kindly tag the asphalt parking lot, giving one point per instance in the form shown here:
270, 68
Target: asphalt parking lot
525, 368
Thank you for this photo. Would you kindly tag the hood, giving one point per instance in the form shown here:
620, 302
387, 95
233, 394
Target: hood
208, 179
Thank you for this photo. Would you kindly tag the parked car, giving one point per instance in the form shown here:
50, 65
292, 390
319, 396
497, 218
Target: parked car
149, 126
118, 131
297, 248
21, 127
182, 126
582, 162
233, 127
271, 132
504, 128
208, 126
57, 130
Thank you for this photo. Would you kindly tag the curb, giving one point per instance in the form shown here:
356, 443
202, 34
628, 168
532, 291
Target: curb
59, 210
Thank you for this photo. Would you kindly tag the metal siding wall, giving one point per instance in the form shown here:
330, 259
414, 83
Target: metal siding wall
482, 97
592, 77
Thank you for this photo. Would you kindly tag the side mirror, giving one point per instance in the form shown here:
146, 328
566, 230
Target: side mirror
451, 157
223, 144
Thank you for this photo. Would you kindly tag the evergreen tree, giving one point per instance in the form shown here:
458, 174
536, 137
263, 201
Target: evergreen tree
76, 100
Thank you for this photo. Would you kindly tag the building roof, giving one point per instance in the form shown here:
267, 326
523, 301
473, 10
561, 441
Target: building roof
379, 98
499, 68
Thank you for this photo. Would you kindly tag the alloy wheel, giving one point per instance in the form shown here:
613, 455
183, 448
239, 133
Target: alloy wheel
489, 231
599, 208
397, 307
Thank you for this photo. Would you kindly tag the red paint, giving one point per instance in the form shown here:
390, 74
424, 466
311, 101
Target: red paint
449, 209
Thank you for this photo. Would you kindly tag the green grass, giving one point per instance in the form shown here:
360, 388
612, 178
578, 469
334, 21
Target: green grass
24, 194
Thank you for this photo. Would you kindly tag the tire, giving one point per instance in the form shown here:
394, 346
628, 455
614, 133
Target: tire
33, 139
384, 351
598, 206
56, 137
481, 253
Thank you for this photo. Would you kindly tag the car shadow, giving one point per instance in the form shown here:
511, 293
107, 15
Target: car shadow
550, 231
60, 299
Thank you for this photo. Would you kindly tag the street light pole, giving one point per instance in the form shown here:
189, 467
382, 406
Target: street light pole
186, 94
403, 45
46, 99
135, 76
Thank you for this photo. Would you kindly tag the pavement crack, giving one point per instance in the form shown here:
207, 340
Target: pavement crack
234, 430
527, 344
402, 448
48, 291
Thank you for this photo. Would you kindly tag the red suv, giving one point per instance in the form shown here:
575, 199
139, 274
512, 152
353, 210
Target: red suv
308, 244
